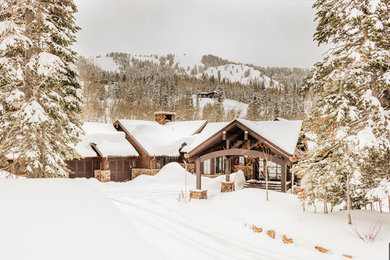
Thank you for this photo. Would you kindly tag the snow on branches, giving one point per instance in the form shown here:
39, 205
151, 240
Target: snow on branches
351, 120
40, 99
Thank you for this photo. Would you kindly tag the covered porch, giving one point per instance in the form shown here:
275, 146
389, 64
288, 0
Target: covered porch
238, 147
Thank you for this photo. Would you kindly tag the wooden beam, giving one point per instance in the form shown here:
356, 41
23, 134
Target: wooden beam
246, 135
224, 135
237, 144
227, 169
240, 152
198, 174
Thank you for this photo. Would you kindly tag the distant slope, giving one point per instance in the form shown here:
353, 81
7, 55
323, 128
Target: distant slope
193, 66
239, 108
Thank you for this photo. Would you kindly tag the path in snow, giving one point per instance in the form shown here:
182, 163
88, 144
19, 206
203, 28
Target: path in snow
207, 244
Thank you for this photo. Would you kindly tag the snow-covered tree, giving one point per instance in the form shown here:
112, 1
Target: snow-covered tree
350, 121
40, 95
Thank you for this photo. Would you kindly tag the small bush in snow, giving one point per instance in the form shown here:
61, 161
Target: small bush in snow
371, 235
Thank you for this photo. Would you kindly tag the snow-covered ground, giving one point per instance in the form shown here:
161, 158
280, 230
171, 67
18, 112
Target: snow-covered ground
239, 73
228, 105
146, 219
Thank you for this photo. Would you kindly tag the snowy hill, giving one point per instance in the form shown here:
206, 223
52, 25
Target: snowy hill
228, 105
193, 66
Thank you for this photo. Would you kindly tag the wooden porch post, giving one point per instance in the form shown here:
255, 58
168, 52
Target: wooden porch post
292, 181
198, 174
227, 169
283, 178
212, 166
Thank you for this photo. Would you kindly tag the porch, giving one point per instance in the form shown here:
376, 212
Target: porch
238, 147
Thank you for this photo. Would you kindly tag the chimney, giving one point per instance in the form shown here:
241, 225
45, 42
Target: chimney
163, 117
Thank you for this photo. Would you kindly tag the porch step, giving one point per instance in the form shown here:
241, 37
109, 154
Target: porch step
261, 185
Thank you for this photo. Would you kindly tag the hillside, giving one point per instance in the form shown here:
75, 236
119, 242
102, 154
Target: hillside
193, 66
122, 85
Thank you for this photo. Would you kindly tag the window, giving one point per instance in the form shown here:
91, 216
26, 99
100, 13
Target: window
159, 162
241, 160
218, 165
274, 170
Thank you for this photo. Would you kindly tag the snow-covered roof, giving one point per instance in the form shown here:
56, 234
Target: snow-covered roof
283, 134
106, 139
161, 140
209, 130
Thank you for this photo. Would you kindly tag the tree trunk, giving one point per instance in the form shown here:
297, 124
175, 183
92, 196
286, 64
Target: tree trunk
325, 200
349, 201
266, 179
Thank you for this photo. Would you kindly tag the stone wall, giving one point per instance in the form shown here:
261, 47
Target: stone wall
103, 175
198, 194
190, 167
227, 186
247, 170
138, 171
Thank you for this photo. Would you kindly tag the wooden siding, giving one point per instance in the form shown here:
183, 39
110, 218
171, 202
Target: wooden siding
120, 168
83, 168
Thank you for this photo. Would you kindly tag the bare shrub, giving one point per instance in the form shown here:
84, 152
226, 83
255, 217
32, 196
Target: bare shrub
372, 234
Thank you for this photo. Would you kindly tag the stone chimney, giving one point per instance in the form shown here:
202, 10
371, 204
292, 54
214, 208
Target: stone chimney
163, 117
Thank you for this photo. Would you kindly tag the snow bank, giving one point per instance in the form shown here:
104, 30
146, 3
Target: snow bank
216, 228
62, 219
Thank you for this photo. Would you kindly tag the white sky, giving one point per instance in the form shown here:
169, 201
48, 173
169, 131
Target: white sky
262, 32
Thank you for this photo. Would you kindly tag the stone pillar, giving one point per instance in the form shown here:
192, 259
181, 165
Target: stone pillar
103, 175
227, 186
198, 194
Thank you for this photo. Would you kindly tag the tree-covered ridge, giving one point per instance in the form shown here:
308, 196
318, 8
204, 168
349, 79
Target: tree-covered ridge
134, 86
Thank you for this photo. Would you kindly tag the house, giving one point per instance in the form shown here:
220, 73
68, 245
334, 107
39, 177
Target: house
157, 142
128, 148
213, 149
222, 148
211, 94
103, 150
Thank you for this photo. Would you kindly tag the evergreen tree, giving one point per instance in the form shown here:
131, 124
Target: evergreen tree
350, 122
40, 96
254, 109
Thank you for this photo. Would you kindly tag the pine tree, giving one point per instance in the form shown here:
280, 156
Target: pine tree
254, 109
350, 122
40, 96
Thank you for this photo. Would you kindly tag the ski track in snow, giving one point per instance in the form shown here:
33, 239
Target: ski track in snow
233, 249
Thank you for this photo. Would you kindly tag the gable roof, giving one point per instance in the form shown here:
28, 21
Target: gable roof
282, 134
105, 139
161, 140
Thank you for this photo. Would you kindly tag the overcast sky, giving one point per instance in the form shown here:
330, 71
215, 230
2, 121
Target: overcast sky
262, 32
